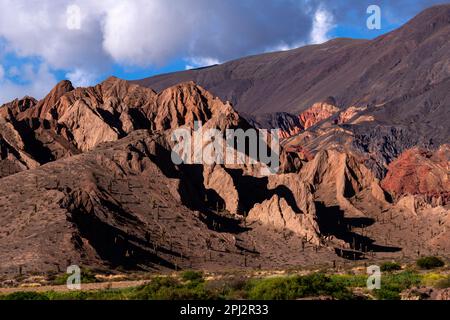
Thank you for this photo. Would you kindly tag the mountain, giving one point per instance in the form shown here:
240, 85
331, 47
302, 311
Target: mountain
401, 77
108, 195
355, 72
87, 175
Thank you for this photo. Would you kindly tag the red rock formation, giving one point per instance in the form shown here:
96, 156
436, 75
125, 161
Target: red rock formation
421, 172
318, 112
17, 106
348, 114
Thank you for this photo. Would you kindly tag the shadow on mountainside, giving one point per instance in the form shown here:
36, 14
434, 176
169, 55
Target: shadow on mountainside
254, 190
332, 222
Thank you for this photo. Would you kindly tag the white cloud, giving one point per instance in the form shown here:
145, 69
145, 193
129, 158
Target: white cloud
39, 28
81, 78
199, 62
143, 33
36, 82
283, 46
2, 72
322, 24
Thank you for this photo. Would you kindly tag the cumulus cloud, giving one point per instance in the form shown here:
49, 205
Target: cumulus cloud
199, 62
39, 28
35, 82
142, 33
322, 24
80, 78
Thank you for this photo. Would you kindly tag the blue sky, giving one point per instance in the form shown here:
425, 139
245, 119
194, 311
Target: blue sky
85, 41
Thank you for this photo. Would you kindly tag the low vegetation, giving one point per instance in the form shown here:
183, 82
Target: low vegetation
390, 266
87, 276
430, 263
192, 285
392, 284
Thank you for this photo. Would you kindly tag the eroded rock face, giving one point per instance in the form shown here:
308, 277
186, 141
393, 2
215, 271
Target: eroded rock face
17, 106
276, 213
288, 124
291, 208
13, 150
70, 120
339, 176
291, 125
350, 114
103, 173
216, 178
318, 112
421, 173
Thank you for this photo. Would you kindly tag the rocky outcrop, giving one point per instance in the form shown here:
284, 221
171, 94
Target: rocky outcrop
337, 177
318, 112
216, 178
292, 208
349, 115
288, 124
421, 173
68, 121
43, 107
277, 214
17, 106
426, 293
13, 150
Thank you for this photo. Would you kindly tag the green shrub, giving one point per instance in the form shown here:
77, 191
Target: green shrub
351, 280
289, 288
393, 284
234, 288
171, 289
192, 276
430, 263
390, 266
433, 279
387, 294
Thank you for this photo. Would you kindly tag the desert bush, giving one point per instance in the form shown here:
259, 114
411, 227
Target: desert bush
432, 279
430, 263
171, 289
387, 294
390, 266
351, 280
192, 276
393, 284
289, 288
228, 288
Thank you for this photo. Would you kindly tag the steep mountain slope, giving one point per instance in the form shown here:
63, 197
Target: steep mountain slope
114, 198
121, 202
